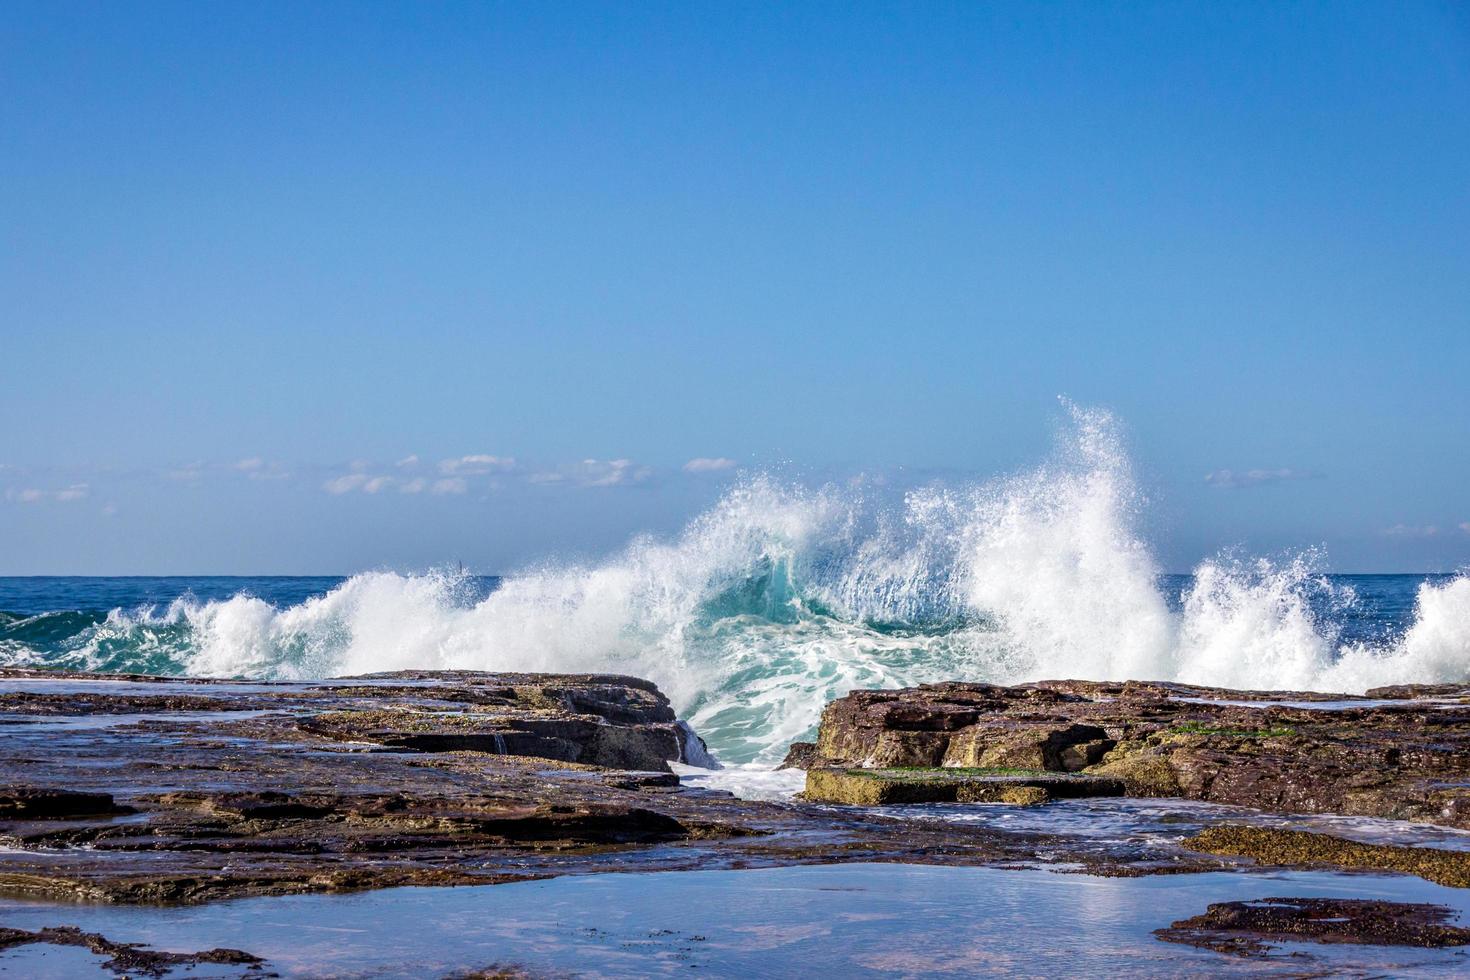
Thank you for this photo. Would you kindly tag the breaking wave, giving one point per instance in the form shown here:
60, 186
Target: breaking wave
781, 597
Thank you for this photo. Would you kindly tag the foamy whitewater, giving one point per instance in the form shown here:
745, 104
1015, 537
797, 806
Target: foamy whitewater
780, 598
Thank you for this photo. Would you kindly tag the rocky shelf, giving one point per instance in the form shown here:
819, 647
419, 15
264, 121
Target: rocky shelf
1400, 753
166, 790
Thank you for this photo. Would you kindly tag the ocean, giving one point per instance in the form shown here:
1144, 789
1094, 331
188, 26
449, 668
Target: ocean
781, 597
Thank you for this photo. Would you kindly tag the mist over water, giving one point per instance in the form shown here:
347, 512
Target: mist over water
781, 597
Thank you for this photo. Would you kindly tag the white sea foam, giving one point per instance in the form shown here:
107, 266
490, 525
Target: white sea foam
780, 598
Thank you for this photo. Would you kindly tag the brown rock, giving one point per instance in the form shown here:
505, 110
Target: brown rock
1409, 760
1295, 848
1247, 928
44, 803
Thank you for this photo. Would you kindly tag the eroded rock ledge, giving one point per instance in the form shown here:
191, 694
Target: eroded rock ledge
148, 790
167, 790
1401, 752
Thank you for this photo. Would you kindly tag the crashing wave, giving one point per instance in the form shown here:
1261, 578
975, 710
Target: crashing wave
780, 598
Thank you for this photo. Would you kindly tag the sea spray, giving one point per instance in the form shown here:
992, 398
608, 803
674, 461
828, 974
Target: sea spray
781, 597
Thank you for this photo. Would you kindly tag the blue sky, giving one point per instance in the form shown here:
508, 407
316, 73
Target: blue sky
257, 253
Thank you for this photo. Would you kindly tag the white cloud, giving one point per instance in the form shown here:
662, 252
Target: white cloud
412, 459
366, 482
35, 495
345, 484
1412, 531
260, 469
1465, 527
482, 472
254, 467
593, 473
612, 472
476, 465
1236, 479
708, 464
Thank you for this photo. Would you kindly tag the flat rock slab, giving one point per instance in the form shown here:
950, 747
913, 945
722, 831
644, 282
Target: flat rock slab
1404, 755
1251, 928
878, 787
1297, 849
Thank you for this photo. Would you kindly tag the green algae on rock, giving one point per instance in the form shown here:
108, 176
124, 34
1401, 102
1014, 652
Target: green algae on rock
1299, 848
878, 787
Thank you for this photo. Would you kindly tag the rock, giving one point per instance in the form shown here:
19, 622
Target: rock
1144, 769
43, 803
125, 959
1411, 691
878, 787
801, 755
640, 780
588, 739
601, 720
1053, 748
1296, 848
1409, 760
1247, 928
359, 783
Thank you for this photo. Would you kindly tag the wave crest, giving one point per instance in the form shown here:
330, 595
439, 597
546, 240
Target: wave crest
780, 598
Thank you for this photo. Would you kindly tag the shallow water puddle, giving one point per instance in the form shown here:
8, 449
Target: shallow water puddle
849, 920
1110, 820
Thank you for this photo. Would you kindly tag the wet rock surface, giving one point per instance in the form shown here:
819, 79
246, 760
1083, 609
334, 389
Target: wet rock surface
1251, 928
878, 787
160, 791
1299, 849
214, 790
130, 959
1402, 754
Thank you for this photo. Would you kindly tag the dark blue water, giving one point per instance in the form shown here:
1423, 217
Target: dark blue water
31, 595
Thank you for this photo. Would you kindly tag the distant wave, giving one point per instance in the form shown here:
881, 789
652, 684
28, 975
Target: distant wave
781, 597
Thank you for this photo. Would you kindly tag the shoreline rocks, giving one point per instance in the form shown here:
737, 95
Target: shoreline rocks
162, 790
1251, 929
601, 720
1404, 755
151, 790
